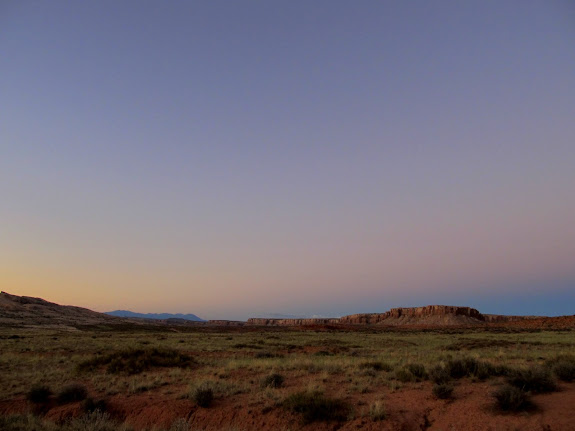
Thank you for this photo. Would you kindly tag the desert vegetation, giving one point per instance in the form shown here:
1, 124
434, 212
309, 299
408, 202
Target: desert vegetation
287, 378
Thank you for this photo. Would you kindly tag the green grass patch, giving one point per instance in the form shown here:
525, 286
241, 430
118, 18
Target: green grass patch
135, 361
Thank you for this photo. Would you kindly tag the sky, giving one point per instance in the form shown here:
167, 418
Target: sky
325, 157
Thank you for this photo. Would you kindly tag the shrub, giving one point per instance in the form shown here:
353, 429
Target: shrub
377, 411
537, 380
404, 375
470, 367
265, 355
563, 366
135, 361
443, 391
376, 366
39, 394
510, 398
439, 375
203, 396
90, 405
273, 381
463, 367
418, 370
315, 406
411, 373
71, 393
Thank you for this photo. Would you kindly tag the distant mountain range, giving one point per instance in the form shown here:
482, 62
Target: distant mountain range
155, 316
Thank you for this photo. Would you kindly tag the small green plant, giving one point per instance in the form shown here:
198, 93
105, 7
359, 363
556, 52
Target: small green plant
274, 380
536, 380
203, 395
72, 393
377, 411
39, 394
510, 398
315, 406
442, 391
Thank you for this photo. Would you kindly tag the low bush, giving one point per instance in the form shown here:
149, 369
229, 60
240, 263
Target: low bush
39, 394
442, 391
418, 370
315, 406
274, 380
439, 375
563, 366
411, 373
536, 379
203, 396
266, 355
511, 398
376, 366
72, 393
90, 405
135, 361
471, 367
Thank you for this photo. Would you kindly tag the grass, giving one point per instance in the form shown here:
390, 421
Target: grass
135, 361
377, 411
203, 396
315, 406
360, 364
274, 380
537, 380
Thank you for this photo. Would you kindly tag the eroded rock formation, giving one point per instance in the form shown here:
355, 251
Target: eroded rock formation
430, 314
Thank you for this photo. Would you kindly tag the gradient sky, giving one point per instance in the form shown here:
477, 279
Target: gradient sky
235, 158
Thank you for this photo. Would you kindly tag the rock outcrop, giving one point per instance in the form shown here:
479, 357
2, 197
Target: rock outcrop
26, 311
260, 321
428, 315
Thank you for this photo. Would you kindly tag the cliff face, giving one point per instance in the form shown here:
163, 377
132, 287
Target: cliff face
428, 315
291, 322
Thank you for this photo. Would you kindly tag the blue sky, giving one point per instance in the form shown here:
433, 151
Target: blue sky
236, 158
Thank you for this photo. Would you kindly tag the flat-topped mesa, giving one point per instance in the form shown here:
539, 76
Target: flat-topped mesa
262, 321
412, 314
428, 315
436, 310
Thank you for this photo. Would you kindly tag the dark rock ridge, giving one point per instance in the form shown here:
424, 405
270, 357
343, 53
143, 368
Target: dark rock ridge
428, 315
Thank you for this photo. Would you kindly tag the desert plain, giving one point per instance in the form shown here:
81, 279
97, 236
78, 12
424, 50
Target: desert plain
72, 369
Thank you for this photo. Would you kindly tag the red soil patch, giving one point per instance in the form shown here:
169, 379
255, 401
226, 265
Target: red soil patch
411, 408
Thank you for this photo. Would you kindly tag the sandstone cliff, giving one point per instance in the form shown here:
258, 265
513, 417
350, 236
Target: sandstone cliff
428, 315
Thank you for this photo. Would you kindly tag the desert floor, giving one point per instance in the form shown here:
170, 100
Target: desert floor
311, 378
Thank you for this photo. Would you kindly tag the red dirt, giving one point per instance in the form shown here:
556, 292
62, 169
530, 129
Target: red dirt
411, 408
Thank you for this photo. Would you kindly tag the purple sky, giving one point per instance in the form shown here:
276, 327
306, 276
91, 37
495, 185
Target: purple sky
230, 159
